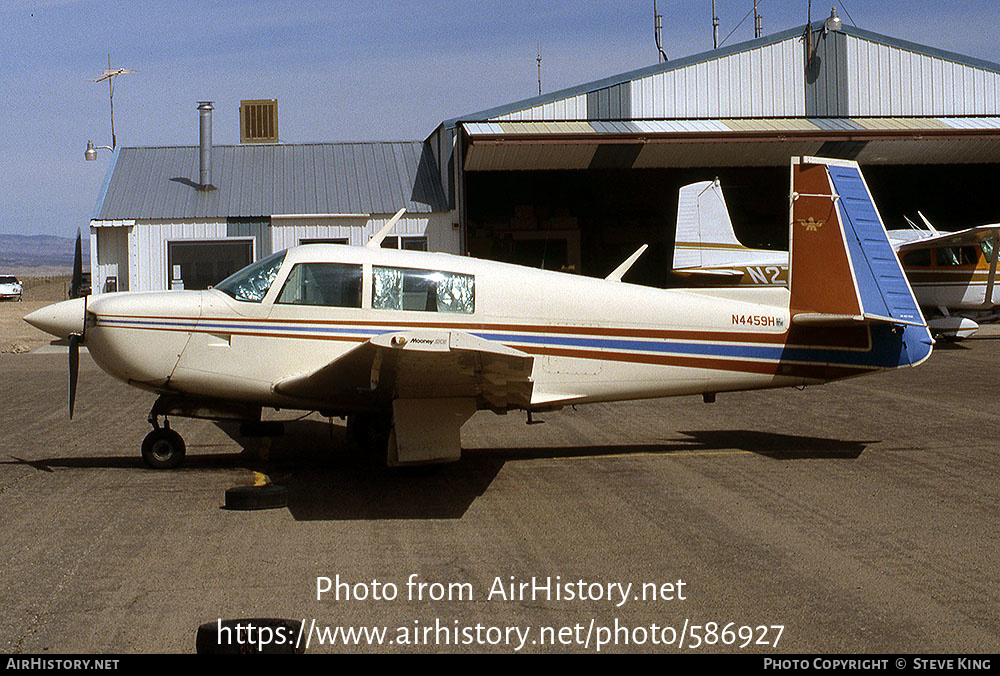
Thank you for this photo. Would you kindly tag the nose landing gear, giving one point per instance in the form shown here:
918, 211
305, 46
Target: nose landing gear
162, 448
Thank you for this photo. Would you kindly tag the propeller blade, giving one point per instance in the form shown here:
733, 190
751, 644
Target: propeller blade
76, 284
74, 369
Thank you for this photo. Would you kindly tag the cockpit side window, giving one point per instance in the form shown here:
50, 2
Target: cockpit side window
252, 283
327, 284
422, 290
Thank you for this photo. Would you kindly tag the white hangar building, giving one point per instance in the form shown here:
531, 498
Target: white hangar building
577, 179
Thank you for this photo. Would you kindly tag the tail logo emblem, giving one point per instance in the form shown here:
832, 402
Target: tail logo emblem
811, 224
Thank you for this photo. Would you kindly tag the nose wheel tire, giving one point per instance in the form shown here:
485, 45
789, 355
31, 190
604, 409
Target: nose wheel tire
163, 449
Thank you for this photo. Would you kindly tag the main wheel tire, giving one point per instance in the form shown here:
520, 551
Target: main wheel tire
163, 449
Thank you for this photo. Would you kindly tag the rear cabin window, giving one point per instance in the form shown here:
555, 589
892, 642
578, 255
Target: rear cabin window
326, 284
954, 256
918, 259
422, 290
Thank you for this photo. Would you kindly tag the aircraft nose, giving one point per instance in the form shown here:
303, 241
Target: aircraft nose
59, 319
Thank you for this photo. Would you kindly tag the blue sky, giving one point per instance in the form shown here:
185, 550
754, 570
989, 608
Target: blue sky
342, 70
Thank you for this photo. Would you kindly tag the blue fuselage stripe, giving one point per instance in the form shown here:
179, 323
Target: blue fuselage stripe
756, 352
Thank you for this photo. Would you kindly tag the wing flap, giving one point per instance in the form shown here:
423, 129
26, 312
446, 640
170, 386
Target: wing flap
421, 365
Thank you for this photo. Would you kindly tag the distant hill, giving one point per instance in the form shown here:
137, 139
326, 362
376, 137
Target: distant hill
38, 251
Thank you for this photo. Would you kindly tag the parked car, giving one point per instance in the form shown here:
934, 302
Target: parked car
10, 288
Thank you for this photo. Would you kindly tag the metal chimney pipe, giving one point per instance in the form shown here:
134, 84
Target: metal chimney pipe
205, 148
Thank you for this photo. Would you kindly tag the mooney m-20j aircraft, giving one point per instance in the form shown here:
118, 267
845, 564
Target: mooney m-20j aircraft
951, 273
408, 345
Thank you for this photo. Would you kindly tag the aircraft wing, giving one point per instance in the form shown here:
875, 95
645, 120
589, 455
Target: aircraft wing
708, 272
959, 238
421, 365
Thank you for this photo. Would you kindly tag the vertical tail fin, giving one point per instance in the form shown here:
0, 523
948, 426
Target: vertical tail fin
842, 269
705, 233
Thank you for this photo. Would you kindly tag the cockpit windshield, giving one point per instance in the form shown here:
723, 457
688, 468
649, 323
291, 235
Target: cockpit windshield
252, 282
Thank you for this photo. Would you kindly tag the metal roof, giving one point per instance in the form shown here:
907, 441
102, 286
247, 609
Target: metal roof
537, 145
264, 180
600, 128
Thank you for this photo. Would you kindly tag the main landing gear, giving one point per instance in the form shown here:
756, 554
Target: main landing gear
162, 448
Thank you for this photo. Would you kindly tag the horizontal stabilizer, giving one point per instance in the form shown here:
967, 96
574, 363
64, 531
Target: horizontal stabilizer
710, 272
620, 271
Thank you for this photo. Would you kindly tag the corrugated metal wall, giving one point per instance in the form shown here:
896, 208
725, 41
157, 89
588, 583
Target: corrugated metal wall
147, 245
572, 108
357, 231
111, 259
890, 80
827, 76
762, 82
849, 75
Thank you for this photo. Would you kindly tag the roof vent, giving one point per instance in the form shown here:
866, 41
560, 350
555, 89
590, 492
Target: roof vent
259, 121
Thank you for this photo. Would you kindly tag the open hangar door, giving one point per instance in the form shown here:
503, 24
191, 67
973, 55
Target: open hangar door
589, 221
582, 196
952, 197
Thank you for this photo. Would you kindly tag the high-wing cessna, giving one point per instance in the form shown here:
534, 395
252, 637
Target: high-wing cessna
951, 273
408, 345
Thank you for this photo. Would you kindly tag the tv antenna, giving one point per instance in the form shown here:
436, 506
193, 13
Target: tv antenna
110, 76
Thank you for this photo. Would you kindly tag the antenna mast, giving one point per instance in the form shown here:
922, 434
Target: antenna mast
715, 27
658, 33
756, 20
539, 68
110, 76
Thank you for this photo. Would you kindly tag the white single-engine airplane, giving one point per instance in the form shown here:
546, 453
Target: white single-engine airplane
953, 274
408, 345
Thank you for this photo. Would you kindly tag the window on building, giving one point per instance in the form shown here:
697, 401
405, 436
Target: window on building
406, 243
422, 290
323, 240
328, 284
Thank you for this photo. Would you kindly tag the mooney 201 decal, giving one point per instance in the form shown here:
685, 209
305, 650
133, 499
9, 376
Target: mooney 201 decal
408, 345
952, 273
